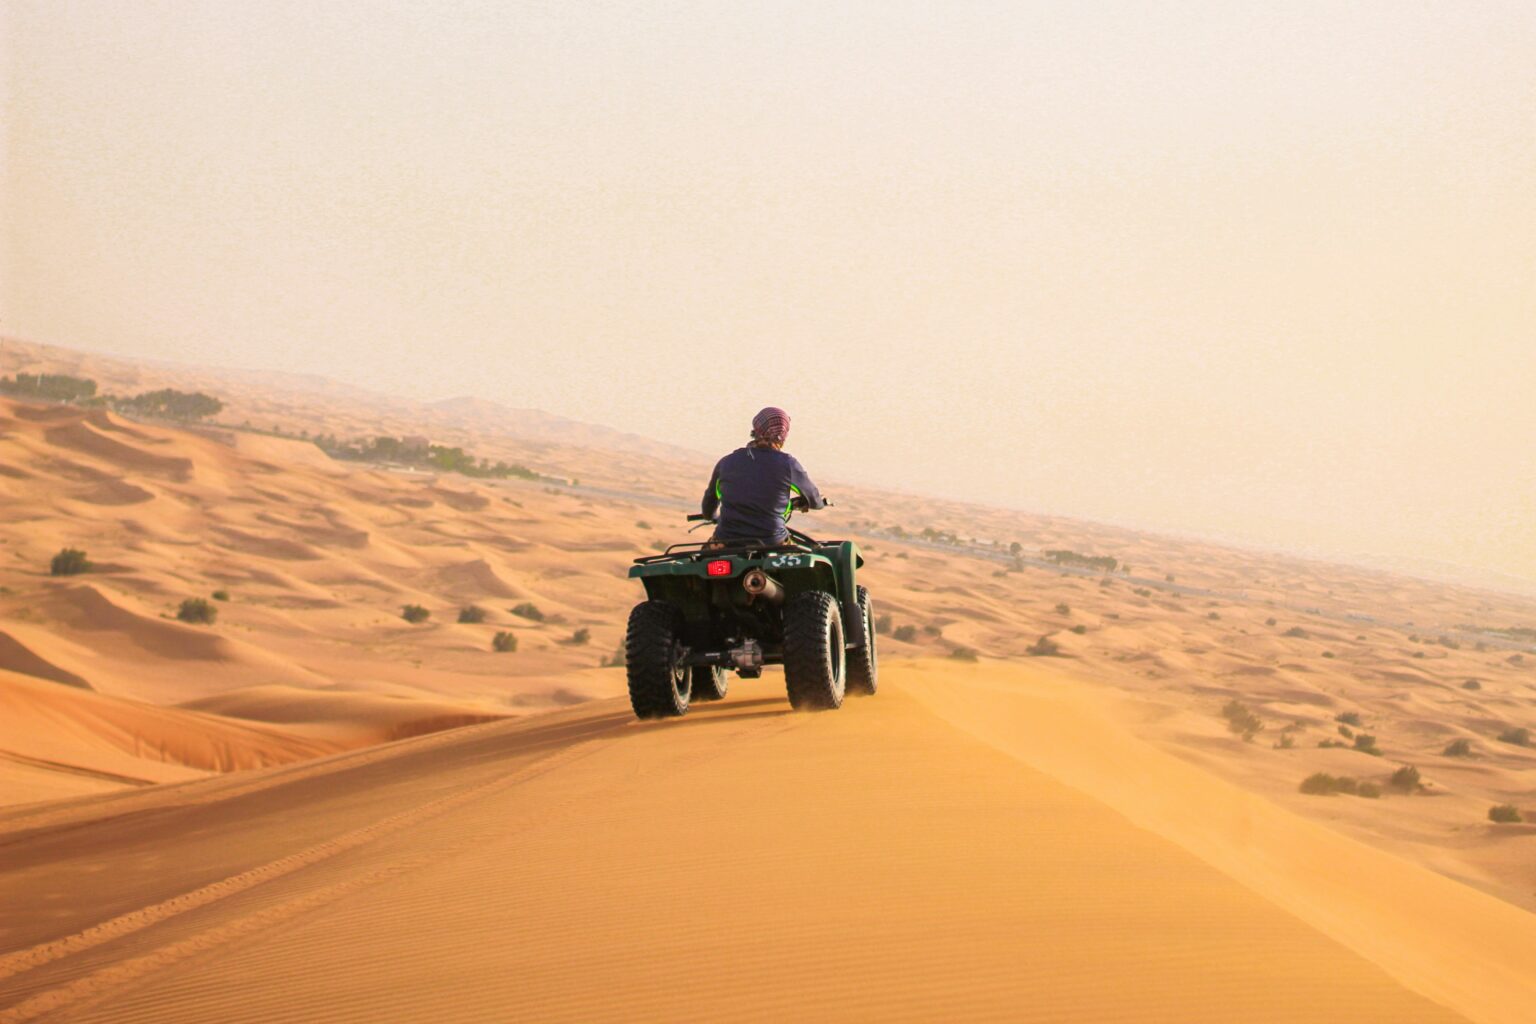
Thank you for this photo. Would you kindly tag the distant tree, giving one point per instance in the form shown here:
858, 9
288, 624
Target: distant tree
504, 642
69, 562
1349, 718
1242, 720
1079, 629
1015, 549
52, 387
528, 610
415, 613
1471, 684
1458, 748
1505, 814
471, 614
1270, 621
581, 636
1062, 608
906, 634
220, 595
168, 403
1366, 744
197, 610
1297, 632
963, 654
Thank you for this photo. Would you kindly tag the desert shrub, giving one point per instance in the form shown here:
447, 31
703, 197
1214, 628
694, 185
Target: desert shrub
1168, 578
1505, 814
1242, 720
69, 562
1369, 790
1327, 654
906, 634
221, 595
963, 654
1346, 732
1406, 777
933, 630
1366, 744
471, 614
1458, 748
1142, 592
1079, 629
1271, 622
642, 524
1213, 615
1516, 659
1323, 784
1445, 641
1063, 608
1044, 647
197, 610
528, 610
504, 642
616, 660
1349, 718
1297, 632
415, 613
581, 636
882, 624
1286, 741
1519, 737
1329, 743
1471, 684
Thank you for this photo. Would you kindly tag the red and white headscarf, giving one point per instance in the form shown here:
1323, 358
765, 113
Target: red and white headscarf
771, 426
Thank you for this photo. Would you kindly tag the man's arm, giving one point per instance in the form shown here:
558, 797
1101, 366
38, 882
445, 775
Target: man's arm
711, 503
800, 483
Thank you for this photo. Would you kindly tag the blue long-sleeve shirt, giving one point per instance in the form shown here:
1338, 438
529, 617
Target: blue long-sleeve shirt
751, 489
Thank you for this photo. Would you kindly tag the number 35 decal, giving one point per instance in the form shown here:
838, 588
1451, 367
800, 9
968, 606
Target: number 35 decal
785, 562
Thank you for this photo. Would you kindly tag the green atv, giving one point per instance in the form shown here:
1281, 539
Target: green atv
711, 609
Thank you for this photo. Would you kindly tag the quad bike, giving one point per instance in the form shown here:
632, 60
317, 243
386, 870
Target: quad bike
711, 609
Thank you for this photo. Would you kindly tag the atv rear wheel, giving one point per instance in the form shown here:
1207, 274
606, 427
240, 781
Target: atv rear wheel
660, 685
709, 682
814, 655
863, 666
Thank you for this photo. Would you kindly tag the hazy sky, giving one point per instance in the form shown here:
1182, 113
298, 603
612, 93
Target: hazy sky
1265, 271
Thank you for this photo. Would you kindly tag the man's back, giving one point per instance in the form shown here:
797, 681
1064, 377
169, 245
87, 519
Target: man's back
752, 488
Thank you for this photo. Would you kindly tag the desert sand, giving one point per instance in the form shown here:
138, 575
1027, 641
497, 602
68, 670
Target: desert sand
313, 809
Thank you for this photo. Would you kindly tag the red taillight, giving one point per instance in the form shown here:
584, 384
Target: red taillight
720, 567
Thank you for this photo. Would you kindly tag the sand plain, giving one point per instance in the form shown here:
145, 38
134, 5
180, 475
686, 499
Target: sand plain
189, 811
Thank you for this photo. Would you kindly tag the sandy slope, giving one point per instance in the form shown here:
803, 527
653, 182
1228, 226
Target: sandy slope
889, 861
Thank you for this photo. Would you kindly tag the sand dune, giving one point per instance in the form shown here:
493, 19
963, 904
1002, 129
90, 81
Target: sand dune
891, 861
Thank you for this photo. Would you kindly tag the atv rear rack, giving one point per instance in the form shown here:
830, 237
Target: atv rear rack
698, 551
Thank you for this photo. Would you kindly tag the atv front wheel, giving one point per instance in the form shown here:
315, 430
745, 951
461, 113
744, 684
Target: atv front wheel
659, 683
709, 682
863, 668
814, 655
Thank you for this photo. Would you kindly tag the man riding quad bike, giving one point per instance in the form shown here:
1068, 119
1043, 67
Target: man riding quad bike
757, 593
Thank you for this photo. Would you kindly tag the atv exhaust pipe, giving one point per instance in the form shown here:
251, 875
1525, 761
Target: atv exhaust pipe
760, 584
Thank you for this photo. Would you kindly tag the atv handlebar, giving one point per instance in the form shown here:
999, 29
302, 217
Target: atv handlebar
699, 517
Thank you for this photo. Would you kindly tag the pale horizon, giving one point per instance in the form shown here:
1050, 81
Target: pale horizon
1263, 276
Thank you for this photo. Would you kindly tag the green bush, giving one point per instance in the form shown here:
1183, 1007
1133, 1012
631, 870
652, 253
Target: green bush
1330, 742
1346, 732
1471, 684
906, 634
1297, 632
504, 642
581, 636
530, 611
1323, 784
221, 595
197, 610
1406, 777
414, 613
1458, 748
69, 562
471, 614
1518, 737
1063, 609
1505, 814
933, 630
1271, 622
1286, 742
882, 624
1079, 629
1366, 744
1242, 720
1349, 718
53, 387
1044, 647
963, 654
